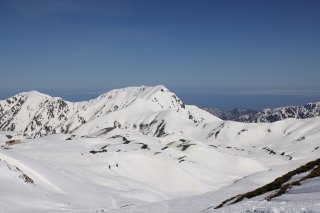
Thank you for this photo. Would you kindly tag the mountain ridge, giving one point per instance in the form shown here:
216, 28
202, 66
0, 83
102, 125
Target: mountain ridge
38, 114
268, 115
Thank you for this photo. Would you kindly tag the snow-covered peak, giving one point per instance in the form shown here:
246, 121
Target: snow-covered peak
159, 96
33, 93
38, 114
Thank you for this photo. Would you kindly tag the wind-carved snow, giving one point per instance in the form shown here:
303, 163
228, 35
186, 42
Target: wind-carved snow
138, 149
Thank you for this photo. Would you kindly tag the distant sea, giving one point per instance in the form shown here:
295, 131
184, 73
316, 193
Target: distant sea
213, 100
257, 102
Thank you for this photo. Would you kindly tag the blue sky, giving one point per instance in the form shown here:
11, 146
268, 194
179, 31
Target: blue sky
207, 45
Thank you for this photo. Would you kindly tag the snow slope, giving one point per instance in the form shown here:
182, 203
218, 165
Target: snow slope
296, 191
139, 149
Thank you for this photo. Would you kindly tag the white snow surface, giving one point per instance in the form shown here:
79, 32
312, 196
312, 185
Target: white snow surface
140, 149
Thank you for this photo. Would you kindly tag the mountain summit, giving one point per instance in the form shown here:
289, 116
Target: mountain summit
144, 109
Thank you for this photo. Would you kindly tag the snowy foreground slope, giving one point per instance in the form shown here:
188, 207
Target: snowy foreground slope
300, 186
140, 149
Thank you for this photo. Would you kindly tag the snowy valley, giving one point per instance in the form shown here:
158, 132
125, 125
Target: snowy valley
141, 149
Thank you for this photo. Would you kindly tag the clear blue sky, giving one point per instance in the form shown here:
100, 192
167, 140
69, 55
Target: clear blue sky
206, 45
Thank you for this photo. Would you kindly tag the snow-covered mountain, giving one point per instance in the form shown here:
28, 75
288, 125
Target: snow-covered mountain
142, 109
139, 149
268, 115
275, 114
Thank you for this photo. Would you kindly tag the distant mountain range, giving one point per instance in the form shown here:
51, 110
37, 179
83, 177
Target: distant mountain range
268, 115
231, 115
